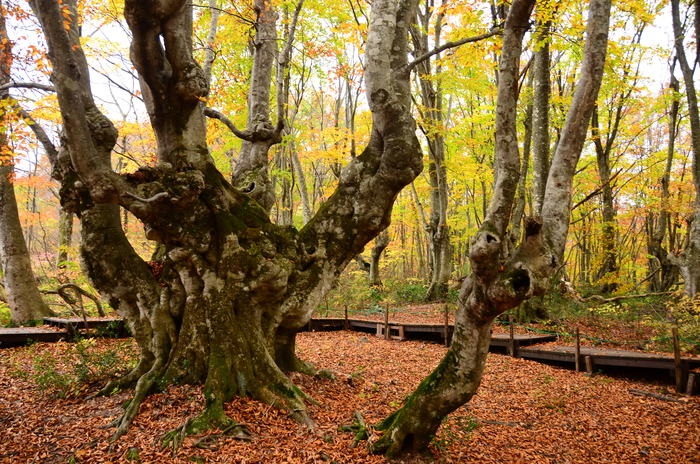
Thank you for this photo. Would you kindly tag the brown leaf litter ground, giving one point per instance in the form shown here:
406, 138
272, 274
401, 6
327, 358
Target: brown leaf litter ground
524, 412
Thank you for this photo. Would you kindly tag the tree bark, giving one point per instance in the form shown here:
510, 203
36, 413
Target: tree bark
499, 282
231, 289
689, 259
381, 242
540, 116
23, 297
667, 270
65, 237
432, 126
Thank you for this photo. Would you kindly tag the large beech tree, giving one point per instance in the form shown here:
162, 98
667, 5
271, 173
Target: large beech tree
501, 280
232, 289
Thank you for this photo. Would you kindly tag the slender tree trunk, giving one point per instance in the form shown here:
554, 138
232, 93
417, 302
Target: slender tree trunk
608, 269
306, 211
519, 210
667, 270
433, 127
689, 259
381, 242
65, 237
23, 297
540, 116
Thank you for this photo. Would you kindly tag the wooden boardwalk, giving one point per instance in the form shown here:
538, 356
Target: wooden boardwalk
521, 346
74, 324
606, 357
17, 336
404, 331
67, 328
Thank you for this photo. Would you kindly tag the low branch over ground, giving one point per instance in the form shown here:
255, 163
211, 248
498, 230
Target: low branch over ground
621, 297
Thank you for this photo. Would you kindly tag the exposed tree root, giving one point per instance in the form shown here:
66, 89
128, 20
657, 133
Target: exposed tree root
144, 387
124, 383
358, 427
207, 420
326, 374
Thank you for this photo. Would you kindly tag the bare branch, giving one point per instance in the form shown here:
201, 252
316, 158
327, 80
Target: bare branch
597, 191
454, 44
44, 139
27, 85
622, 297
214, 114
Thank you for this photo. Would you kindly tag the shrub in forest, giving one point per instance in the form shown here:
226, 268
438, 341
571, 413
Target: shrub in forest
66, 369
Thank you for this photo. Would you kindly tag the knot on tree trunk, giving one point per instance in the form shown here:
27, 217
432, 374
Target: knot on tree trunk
192, 84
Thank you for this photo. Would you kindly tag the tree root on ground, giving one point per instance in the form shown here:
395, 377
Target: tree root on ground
211, 417
126, 382
358, 427
144, 387
325, 374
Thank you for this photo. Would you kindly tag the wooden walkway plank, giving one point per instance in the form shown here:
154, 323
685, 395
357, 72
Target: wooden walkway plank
411, 330
607, 357
75, 324
14, 336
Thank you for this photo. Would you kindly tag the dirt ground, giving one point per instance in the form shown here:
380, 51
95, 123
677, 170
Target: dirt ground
524, 412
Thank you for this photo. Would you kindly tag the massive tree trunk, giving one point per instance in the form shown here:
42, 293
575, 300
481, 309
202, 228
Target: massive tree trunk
232, 289
23, 297
499, 282
689, 259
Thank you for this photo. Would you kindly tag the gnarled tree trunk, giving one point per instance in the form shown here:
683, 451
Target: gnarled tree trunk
499, 282
232, 289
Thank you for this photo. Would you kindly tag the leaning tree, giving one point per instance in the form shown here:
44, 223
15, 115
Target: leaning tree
223, 304
501, 279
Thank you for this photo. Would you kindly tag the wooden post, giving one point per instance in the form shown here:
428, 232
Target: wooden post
677, 359
347, 326
511, 341
386, 322
690, 388
589, 364
447, 327
578, 352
